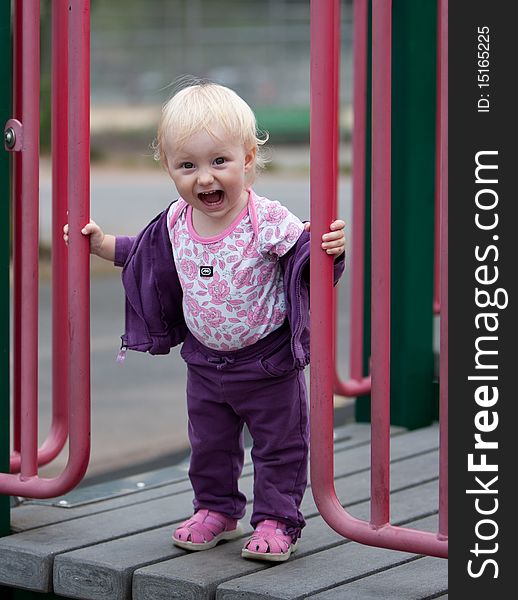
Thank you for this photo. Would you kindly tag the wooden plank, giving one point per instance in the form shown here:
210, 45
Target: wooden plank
199, 575
108, 567
310, 574
32, 552
98, 571
26, 558
31, 514
418, 580
401, 447
356, 488
105, 571
351, 453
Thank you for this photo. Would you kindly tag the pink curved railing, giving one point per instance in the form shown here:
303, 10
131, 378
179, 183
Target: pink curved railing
71, 310
58, 433
357, 384
378, 531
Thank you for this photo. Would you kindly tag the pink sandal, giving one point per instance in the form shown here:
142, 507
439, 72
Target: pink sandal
205, 529
269, 542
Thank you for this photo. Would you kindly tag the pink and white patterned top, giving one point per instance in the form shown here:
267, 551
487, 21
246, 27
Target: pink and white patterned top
232, 283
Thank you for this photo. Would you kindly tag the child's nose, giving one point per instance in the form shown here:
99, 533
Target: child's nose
205, 177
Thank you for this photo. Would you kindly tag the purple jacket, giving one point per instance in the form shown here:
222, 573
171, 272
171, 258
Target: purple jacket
154, 315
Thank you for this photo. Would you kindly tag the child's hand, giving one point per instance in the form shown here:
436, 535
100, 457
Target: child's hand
334, 241
96, 236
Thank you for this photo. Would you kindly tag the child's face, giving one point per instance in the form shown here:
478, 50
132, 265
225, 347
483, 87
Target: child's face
209, 173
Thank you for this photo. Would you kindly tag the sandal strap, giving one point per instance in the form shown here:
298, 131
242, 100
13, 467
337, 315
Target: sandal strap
269, 536
205, 525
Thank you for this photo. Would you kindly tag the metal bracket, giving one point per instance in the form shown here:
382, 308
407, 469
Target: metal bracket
13, 136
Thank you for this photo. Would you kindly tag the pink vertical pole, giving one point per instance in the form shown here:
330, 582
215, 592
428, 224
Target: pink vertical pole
17, 219
78, 360
59, 145
79, 214
443, 375
324, 120
28, 228
59, 133
335, 127
380, 311
357, 385
378, 531
358, 186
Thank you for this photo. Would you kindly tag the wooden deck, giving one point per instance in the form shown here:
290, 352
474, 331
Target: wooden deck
118, 547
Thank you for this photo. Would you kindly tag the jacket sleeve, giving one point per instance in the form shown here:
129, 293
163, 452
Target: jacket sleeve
338, 267
300, 252
123, 246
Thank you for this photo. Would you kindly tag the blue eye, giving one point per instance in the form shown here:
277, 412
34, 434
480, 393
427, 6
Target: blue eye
219, 161
187, 165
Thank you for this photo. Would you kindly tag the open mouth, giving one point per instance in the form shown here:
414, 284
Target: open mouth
212, 199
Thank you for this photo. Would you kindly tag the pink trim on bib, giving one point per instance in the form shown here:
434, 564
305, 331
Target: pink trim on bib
219, 236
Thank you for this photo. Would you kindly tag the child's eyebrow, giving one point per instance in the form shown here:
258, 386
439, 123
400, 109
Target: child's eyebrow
182, 156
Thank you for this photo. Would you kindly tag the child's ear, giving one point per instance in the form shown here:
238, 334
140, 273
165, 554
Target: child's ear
250, 159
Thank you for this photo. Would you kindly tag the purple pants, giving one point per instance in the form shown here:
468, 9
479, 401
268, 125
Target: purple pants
259, 386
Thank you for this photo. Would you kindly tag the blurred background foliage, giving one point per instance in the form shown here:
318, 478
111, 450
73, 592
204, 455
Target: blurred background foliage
260, 48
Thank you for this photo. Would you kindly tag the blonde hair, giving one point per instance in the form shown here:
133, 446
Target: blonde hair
206, 106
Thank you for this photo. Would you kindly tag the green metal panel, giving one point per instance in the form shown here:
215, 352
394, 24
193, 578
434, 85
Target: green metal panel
413, 185
5, 114
413, 188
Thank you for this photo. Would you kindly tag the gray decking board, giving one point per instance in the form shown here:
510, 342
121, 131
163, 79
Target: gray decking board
27, 516
198, 575
418, 580
402, 447
40, 545
32, 516
109, 576
354, 489
105, 571
301, 578
355, 440
96, 555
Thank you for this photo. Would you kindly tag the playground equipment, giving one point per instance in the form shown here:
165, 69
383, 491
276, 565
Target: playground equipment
71, 335
71, 176
324, 75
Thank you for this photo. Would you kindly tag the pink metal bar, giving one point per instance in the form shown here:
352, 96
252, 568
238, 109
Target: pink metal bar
378, 532
17, 219
323, 169
357, 384
58, 433
28, 12
380, 309
443, 150
79, 247
78, 271
59, 143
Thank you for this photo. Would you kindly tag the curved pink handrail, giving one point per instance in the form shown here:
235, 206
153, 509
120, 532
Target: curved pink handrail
378, 531
58, 432
357, 384
27, 483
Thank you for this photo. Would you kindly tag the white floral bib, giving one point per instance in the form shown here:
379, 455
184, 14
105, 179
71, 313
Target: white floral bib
232, 283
